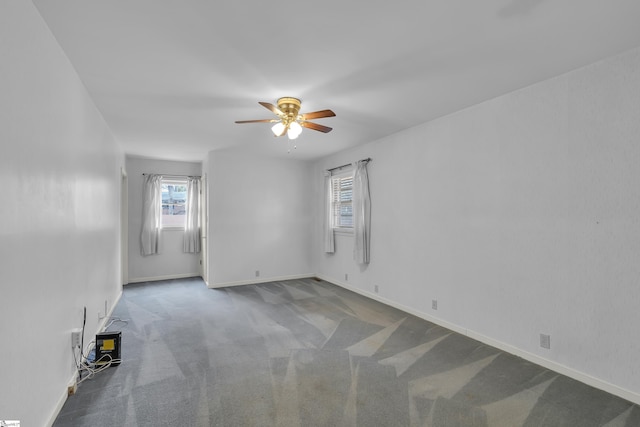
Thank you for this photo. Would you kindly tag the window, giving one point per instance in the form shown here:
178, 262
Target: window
174, 202
342, 208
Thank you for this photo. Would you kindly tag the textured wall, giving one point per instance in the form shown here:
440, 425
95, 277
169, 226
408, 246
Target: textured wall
59, 234
259, 218
520, 216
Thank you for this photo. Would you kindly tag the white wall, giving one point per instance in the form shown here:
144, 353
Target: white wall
260, 218
59, 238
521, 216
171, 262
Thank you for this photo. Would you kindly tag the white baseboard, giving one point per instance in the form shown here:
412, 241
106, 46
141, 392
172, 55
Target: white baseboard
61, 401
259, 280
157, 278
73, 379
508, 348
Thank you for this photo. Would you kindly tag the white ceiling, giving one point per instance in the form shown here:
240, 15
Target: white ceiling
172, 76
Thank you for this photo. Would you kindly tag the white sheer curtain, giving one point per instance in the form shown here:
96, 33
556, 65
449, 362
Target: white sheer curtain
191, 242
329, 243
151, 215
361, 213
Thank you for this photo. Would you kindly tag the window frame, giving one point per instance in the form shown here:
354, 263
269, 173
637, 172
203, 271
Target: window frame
173, 181
336, 202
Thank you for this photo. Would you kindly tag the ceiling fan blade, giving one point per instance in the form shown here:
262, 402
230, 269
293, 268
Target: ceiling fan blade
271, 108
258, 121
315, 126
318, 114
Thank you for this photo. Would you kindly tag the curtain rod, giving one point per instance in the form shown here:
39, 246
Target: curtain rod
368, 159
172, 176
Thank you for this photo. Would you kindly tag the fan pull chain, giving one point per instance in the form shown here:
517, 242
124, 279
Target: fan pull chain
295, 147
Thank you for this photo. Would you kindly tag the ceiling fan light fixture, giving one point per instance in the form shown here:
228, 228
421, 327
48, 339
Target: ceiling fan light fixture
289, 120
294, 130
278, 128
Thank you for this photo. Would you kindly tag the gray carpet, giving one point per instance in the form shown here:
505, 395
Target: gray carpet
308, 353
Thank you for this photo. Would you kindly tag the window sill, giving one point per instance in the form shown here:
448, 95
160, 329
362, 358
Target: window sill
172, 228
343, 231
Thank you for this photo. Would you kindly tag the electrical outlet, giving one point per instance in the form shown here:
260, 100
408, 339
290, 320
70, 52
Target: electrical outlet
75, 338
545, 341
257, 273
434, 304
346, 277
375, 289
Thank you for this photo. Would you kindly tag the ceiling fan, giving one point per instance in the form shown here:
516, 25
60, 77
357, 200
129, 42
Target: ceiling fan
289, 120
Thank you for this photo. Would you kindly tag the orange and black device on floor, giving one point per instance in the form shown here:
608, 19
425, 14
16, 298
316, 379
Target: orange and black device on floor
108, 348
